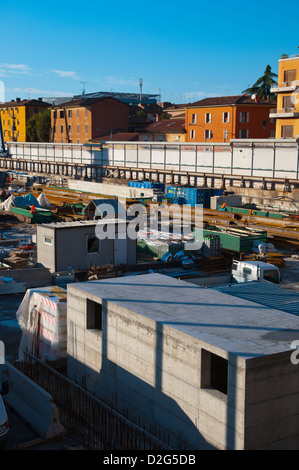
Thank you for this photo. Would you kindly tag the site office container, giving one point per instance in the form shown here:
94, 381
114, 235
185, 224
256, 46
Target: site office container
192, 196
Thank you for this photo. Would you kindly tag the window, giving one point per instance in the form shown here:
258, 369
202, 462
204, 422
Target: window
272, 132
78, 112
243, 133
61, 114
287, 102
55, 114
70, 128
61, 128
208, 134
225, 134
265, 124
35, 110
208, 118
246, 270
287, 131
86, 128
92, 244
192, 134
78, 128
244, 116
94, 315
194, 118
271, 275
289, 76
214, 372
69, 113
86, 112
48, 240
225, 117
160, 138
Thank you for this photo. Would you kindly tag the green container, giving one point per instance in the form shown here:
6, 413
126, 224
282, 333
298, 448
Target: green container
241, 243
41, 216
244, 210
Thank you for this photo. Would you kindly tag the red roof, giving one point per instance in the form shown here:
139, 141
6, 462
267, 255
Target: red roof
228, 101
166, 125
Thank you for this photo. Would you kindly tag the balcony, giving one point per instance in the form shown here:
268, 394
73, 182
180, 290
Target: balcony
285, 87
284, 113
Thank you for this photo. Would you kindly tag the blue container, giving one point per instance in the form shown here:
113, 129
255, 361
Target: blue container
184, 195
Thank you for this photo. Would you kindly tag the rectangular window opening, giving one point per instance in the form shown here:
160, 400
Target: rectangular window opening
94, 315
214, 372
92, 244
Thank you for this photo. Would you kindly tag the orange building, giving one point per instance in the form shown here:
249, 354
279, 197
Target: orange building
84, 119
287, 111
228, 117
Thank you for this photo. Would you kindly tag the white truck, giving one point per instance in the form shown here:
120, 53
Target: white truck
246, 271
242, 271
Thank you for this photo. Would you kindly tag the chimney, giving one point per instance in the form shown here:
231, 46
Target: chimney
18, 100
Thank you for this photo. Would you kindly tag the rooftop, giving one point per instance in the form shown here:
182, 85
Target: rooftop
17, 102
228, 101
166, 125
237, 325
81, 223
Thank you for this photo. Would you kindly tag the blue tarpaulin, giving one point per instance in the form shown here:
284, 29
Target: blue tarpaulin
24, 201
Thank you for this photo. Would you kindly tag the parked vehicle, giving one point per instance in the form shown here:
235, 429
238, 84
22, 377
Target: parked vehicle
247, 271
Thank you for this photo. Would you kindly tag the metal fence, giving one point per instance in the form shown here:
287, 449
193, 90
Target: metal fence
99, 426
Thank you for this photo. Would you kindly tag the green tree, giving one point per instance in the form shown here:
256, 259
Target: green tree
39, 127
262, 86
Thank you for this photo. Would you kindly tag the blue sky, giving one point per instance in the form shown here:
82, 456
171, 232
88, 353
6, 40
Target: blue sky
185, 51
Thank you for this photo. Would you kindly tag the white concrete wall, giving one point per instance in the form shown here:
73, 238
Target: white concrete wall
32, 403
120, 191
153, 371
244, 157
273, 401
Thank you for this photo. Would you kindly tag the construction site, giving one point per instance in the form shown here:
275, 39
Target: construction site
194, 377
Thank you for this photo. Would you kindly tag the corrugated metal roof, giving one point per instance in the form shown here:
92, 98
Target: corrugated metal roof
269, 295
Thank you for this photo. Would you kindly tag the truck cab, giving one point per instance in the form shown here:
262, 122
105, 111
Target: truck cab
247, 271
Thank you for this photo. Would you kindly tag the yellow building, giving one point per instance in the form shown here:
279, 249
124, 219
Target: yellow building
15, 115
287, 89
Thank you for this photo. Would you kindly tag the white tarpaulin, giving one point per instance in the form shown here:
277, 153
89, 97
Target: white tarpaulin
43, 201
42, 319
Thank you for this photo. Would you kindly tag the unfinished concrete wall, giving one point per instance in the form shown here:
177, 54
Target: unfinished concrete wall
155, 375
272, 405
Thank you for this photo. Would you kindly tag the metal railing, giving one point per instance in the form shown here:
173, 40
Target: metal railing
98, 425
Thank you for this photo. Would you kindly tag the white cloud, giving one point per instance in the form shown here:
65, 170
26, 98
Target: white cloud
39, 92
66, 74
13, 69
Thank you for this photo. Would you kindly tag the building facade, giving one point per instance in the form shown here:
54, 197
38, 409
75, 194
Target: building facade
84, 119
15, 115
164, 130
287, 89
76, 245
228, 117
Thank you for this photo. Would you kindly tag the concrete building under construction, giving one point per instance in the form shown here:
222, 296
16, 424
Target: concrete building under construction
207, 369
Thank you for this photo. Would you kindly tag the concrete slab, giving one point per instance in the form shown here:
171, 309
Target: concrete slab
235, 325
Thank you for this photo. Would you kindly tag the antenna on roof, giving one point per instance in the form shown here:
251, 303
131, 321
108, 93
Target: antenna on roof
83, 88
140, 86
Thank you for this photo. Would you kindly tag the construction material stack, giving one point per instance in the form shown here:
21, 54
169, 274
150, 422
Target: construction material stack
42, 319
